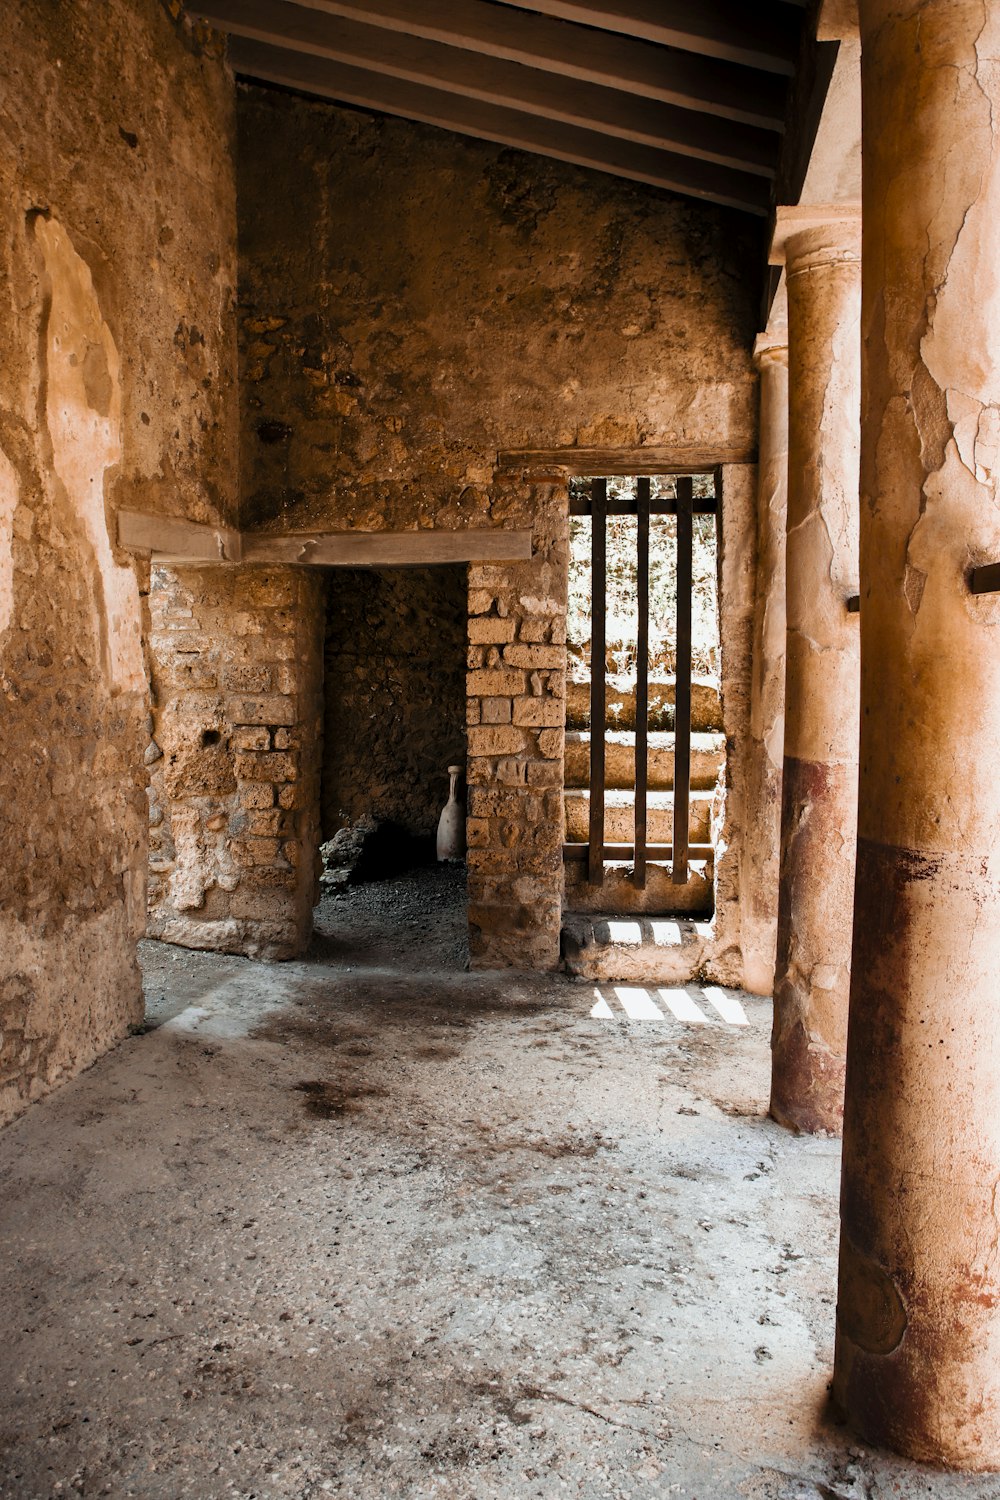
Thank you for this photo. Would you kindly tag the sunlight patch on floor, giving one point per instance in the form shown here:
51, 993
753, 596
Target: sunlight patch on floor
655, 1003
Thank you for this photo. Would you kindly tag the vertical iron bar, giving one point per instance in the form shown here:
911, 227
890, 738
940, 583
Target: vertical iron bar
641, 680
598, 667
682, 683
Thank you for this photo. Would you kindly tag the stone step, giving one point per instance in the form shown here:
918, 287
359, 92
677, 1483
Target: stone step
643, 950
706, 706
708, 755
619, 816
617, 891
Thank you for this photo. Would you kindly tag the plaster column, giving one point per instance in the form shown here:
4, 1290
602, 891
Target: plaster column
918, 1340
759, 872
819, 780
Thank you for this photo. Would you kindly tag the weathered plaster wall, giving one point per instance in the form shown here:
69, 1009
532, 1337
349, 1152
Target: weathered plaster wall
117, 388
237, 673
412, 304
395, 694
412, 301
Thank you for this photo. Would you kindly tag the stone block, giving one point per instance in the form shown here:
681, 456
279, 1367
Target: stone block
550, 743
534, 630
495, 710
246, 678
490, 631
477, 833
252, 738
545, 712
285, 739
256, 851
289, 797
480, 601
494, 684
511, 772
473, 713
532, 658
269, 822
257, 795
260, 905
276, 766
544, 773
270, 708
500, 739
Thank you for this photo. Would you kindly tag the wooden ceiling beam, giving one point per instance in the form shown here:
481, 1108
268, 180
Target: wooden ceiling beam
544, 137
749, 95
630, 117
764, 35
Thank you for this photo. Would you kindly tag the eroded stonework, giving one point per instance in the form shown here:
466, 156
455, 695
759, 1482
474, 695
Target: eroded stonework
235, 758
106, 399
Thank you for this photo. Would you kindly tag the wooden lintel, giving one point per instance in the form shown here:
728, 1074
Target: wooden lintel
177, 539
679, 458
388, 549
170, 539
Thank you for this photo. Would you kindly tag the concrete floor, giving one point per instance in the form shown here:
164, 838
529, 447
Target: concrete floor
370, 1226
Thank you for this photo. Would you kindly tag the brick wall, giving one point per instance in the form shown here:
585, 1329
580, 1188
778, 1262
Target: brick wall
235, 754
516, 687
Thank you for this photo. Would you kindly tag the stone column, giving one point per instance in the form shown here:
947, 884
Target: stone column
918, 1341
759, 871
819, 780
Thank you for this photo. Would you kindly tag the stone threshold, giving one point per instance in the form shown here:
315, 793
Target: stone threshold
649, 950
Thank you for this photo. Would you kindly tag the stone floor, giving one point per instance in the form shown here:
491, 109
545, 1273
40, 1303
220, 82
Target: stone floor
371, 1226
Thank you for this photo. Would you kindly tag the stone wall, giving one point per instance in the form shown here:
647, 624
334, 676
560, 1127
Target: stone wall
117, 389
395, 694
414, 305
517, 718
237, 677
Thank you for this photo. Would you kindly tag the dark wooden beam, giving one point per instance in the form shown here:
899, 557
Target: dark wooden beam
641, 679
508, 127
628, 116
763, 35
985, 579
682, 685
750, 95
598, 677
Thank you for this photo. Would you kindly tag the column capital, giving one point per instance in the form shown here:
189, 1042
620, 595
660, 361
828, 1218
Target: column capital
770, 348
837, 21
813, 234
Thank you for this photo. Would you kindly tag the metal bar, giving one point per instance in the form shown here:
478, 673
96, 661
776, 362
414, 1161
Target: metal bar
641, 680
682, 684
985, 579
663, 853
598, 668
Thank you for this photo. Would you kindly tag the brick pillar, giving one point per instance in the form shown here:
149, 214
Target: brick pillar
235, 757
516, 717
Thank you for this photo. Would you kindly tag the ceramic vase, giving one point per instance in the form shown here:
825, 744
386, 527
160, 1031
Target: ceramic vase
451, 824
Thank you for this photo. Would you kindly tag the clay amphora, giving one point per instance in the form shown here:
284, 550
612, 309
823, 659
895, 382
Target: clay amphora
451, 824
